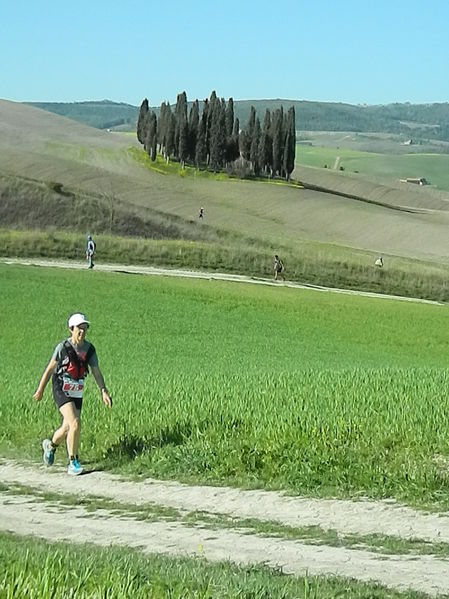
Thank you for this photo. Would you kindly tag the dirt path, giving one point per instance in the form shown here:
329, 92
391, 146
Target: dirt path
346, 517
23, 514
194, 274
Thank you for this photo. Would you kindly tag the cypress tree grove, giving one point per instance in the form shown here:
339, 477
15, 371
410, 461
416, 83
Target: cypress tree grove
212, 137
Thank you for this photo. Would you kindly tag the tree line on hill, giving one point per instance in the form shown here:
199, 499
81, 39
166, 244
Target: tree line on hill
102, 114
212, 137
417, 121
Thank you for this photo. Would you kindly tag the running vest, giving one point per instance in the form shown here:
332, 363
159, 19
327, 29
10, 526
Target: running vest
72, 370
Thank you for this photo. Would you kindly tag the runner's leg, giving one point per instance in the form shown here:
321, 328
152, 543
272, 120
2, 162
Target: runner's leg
70, 428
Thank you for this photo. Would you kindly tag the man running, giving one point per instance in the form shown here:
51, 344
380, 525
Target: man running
68, 367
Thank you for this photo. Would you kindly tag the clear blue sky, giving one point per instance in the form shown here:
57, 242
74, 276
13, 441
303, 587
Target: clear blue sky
373, 52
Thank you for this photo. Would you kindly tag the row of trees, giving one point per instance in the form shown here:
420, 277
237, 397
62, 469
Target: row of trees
212, 138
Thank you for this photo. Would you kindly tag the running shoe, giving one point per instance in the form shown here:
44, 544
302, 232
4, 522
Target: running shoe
74, 468
48, 455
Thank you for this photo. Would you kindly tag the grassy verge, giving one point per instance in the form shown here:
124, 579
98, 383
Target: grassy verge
316, 264
36, 569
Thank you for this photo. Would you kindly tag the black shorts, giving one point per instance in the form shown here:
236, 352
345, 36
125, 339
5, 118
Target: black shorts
61, 398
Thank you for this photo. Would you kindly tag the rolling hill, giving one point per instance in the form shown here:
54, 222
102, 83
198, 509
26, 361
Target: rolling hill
77, 166
421, 121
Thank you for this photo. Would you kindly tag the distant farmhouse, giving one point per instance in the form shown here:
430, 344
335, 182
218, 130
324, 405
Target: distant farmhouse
415, 180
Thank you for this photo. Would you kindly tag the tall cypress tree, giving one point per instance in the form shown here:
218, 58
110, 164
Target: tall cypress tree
183, 147
229, 124
251, 121
246, 137
218, 135
210, 112
233, 151
200, 149
194, 118
277, 141
162, 127
229, 117
266, 144
244, 143
254, 151
151, 134
181, 121
153, 127
170, 134
290, 144
143, 111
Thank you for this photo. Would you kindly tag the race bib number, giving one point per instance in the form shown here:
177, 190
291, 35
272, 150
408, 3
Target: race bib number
73, 388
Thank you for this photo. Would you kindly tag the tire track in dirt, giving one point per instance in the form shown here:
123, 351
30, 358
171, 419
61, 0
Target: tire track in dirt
25, 516
362, 517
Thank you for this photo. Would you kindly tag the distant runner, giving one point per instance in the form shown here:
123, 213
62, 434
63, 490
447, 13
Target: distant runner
68, 367
201, 214
379, 262
90, 251
278, 268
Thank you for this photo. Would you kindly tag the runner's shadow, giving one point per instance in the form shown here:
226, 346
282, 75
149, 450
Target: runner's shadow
86, 472
90, 469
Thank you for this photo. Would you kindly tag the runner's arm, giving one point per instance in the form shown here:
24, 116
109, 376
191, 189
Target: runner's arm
51, 367
96, 372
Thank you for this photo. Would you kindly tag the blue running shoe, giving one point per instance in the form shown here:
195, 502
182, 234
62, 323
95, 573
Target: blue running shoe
74, 468
48, 455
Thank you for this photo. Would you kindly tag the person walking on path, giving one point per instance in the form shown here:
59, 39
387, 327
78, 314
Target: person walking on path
68, 367
90, 251
278, 268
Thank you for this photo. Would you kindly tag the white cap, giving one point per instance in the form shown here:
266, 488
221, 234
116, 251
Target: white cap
76, 319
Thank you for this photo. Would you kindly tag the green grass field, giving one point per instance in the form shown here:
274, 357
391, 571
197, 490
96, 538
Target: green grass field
315, 393
434, 167
45, 570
